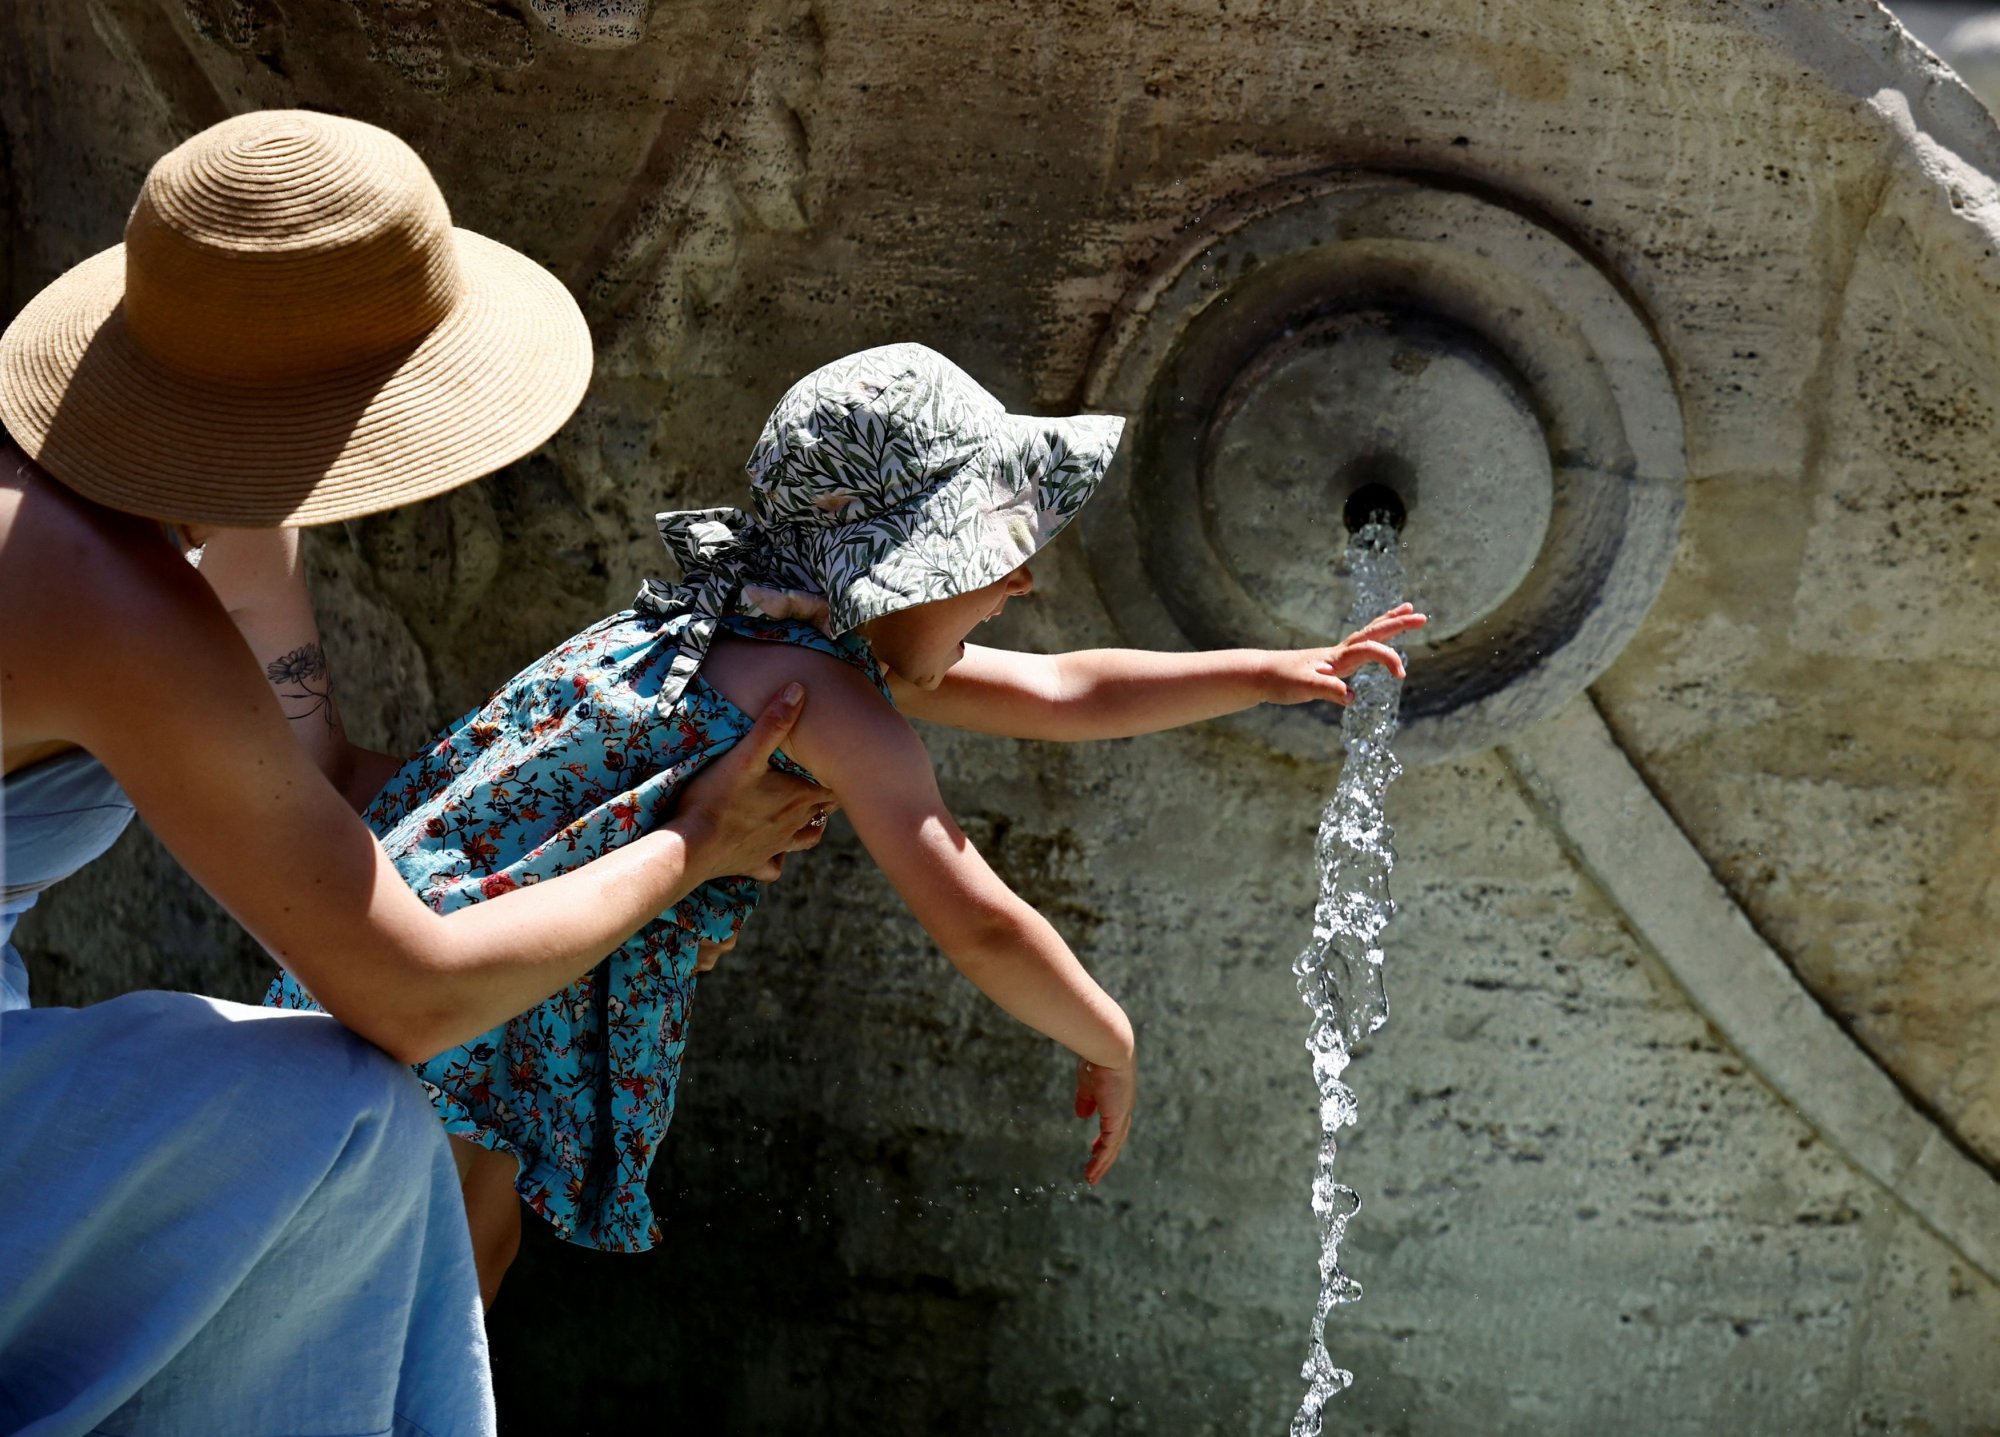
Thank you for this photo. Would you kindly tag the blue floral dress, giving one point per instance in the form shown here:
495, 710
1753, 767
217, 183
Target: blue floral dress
579, 753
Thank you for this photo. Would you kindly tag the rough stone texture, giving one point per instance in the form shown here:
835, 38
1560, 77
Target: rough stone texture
1581, 1214
1626, 842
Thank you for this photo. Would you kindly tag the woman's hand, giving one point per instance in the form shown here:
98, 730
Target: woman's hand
705, 954
741, 816
1301, 675
1110, 1094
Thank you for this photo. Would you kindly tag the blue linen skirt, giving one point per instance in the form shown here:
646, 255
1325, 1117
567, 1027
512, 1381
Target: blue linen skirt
217, 1218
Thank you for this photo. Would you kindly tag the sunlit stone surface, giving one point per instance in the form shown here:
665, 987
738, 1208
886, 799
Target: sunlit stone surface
1583, 1213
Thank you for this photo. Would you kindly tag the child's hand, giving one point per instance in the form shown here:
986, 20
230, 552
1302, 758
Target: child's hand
1109, 1093
1302, 675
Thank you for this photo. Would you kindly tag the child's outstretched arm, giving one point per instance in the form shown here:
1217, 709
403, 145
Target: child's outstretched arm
863, 750
1116, 693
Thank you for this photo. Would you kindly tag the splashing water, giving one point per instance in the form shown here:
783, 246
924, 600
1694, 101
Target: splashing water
1340, 972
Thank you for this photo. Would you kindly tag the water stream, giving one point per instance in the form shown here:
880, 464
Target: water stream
1340, 972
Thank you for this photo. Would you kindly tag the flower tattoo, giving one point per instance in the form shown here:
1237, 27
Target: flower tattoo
303, 671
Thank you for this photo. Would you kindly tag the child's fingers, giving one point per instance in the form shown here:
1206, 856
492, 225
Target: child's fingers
1399, 620
1114, 1116
1104, 1152
1351, 656
1389, 616
1389, 628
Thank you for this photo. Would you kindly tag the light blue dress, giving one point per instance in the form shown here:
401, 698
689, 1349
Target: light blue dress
214, 1218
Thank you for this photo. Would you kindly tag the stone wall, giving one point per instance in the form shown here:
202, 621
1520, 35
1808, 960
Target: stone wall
1582, 1211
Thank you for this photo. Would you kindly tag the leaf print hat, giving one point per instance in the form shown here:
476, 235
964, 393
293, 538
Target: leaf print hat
881, 481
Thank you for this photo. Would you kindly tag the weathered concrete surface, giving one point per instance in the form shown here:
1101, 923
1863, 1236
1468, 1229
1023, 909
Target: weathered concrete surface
1631, 848
1583, 1214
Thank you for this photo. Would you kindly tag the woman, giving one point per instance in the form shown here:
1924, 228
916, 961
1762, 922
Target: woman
221, 1218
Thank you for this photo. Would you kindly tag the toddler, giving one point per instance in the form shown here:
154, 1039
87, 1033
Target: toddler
896, 504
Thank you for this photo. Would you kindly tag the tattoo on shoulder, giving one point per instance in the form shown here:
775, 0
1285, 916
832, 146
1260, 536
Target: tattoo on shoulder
302, 677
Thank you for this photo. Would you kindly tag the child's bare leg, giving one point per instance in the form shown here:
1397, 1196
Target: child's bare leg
492, 1211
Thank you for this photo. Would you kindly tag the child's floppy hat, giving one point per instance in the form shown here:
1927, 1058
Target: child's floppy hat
881, 481
293, 332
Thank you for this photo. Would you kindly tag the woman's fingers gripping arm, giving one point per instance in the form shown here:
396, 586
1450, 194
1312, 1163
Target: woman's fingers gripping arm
750, 814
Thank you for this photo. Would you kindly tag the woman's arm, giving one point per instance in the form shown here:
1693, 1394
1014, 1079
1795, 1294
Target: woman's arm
259, 577
1116, 693
142, 666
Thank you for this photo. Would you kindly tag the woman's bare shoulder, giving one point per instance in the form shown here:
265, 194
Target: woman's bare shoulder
85, 589
58, 544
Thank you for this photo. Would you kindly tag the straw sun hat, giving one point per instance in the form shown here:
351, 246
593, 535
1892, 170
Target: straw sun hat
292, 333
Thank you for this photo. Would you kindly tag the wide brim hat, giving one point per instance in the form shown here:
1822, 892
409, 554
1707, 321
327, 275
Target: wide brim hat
292, 333
894, 479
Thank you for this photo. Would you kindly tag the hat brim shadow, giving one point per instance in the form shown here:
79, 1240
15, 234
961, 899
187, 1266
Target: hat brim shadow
489, 383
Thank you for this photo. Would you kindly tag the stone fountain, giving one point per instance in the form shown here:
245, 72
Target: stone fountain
1677, 325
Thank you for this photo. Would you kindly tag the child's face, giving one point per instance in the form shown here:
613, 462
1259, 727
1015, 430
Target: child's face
919, 644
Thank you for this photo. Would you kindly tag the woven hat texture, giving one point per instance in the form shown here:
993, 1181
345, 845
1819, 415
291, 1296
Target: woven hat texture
292, 332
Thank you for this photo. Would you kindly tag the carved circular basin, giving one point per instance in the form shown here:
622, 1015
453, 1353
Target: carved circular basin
1370, 329
1373, 396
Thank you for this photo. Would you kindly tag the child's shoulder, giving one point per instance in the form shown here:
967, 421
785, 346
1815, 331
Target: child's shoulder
748, 665
848, 725
784, 637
